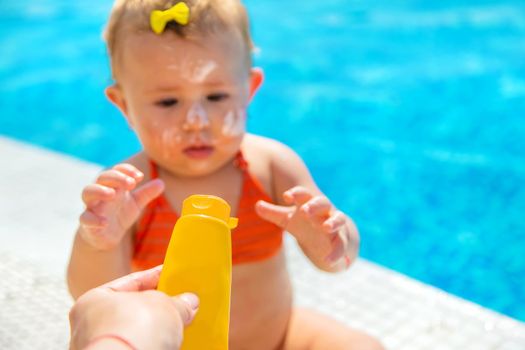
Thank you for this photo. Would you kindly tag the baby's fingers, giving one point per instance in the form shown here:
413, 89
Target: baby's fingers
297, 195
275, 214
335, 222
148, 192
116, 179
317, 209
90, 220
338, 251
130, 170
94, 193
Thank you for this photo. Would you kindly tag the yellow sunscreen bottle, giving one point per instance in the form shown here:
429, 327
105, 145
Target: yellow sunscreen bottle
199, 260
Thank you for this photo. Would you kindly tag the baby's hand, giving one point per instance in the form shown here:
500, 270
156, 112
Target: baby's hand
114, 203
327, 235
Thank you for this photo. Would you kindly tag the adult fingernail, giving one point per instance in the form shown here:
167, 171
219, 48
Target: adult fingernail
191, 299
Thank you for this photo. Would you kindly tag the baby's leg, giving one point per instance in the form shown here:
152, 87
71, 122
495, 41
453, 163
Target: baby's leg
310, 330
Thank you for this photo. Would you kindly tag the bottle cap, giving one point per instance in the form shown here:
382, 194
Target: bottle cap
213, 206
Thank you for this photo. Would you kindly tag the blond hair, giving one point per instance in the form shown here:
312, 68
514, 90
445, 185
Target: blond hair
206, 17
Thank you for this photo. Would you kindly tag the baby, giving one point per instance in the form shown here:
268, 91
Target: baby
183, 81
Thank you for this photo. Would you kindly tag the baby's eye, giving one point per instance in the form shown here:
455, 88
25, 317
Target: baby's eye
167, 102
221, 96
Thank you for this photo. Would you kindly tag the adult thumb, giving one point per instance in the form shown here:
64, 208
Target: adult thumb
187, 304
276, 214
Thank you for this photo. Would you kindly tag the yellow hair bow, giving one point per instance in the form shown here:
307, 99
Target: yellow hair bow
179, 13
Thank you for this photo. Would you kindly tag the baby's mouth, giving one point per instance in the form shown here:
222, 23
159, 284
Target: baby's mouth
199, 151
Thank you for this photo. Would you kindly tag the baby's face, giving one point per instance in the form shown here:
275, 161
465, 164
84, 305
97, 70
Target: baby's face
186, 100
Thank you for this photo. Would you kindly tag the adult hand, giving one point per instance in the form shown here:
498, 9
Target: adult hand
113, 204
127, 313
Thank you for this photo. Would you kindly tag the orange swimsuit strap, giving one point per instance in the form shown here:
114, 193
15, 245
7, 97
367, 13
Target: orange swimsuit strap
253, 240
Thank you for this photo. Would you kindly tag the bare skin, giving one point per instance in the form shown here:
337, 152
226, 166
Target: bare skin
262, 316
155, 321
262, 287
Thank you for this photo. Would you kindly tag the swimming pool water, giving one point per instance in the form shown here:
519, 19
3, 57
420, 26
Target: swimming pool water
409, 114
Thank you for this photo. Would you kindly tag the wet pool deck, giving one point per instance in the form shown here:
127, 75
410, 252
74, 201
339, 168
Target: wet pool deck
39, 206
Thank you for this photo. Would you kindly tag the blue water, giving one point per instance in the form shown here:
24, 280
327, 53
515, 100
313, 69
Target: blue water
410, 115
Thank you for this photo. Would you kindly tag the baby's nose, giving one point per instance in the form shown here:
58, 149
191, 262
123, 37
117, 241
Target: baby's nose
196, 119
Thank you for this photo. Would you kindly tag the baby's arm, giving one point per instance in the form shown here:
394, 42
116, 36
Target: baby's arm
103, 242
327, 236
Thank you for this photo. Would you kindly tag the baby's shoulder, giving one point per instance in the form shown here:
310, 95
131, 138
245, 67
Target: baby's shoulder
276, 165
264, 147
269, 151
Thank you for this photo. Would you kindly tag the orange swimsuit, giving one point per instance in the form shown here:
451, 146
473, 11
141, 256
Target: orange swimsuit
254, 239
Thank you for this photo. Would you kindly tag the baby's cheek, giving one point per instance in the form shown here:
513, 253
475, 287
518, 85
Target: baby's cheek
166, 139
171, 137
234, 123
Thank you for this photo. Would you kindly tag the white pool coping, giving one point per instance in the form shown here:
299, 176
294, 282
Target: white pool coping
39, 207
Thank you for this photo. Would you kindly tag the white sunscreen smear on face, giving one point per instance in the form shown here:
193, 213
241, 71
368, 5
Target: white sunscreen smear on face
169, 135
170, 138
197, 116
234, 123
201, 71
194, 72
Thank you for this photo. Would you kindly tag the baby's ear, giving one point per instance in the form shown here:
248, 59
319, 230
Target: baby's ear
256, 80
115, 95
